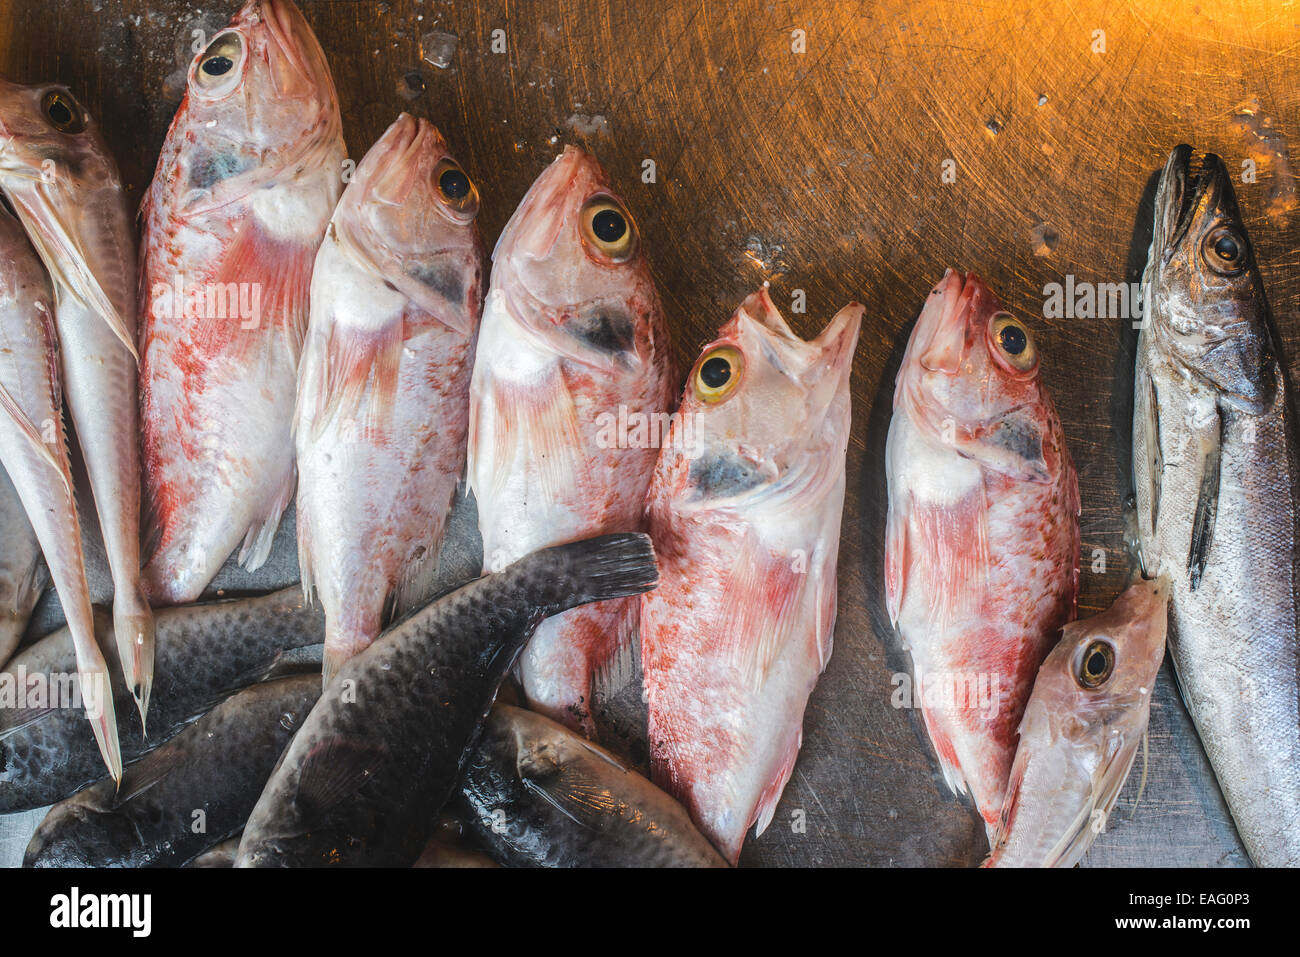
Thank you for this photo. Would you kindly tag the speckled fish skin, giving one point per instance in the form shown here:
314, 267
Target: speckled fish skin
745, 515
1081, 731
539, 795
34, 451
245, 185
982, 537
573, 338
383, 391
64, 184
23, 575
1212, 402
217, 766
364, 779
204, 652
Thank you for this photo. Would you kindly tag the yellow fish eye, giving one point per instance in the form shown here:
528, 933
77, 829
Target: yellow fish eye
63, 112
717, 373
1225, 250
1096, 665
1014, 343
218, 62
456, 190
608, 228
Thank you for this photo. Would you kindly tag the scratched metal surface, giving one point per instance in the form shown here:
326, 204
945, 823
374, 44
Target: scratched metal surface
822, 171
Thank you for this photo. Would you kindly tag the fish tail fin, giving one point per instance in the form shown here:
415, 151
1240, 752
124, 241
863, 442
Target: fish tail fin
622, 658
594, 569
97, 699
133, 628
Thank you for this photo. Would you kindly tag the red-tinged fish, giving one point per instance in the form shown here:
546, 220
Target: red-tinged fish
745, 512
1083, 724
982, 542
34, 452
572, 380
244, 189
57, 171
383, 392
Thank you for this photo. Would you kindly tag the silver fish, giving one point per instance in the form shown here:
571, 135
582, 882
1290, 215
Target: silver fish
1216, 475
1081, 731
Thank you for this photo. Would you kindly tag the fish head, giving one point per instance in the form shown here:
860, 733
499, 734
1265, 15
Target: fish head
47, 136
970, 380
570, 260
412, 212
1100, 677
766, 411
259, 98
1205, 301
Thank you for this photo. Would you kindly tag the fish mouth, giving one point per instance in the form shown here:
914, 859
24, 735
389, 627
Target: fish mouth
1187, 194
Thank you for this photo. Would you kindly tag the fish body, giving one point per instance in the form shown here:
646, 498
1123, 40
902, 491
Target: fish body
383, 393
23, 575
364, 779
573, 343
982, 535
1216, 474
34, 452
64, 184
245, 185
211, 773
204, 652
1083, 724
539, 795
745, 513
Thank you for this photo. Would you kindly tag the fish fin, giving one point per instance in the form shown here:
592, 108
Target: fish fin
760, 609
621, 662
946, 754
1155, 450
999, 830
32, 434
952, 544
571, 789
355, 378
1207, 505
765, 809
148, 771
537, 421
1107, 781
261, 534
333, 770
896, 559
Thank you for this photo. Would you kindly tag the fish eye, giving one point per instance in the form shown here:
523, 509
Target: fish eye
717, 373
218, 62
1096, 665
456, 189
1013, 342
63, 112
1225, 250
608, 228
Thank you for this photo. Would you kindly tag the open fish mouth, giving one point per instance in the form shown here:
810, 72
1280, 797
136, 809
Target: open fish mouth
1187, 191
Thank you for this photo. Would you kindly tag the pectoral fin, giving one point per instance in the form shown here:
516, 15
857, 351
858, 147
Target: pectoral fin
1207, 502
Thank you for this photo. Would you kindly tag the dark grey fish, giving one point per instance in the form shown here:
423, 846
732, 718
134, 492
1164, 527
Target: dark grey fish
203, 653
178, 800
23, 575
1217, 479
363, 781
222, 855
538, 795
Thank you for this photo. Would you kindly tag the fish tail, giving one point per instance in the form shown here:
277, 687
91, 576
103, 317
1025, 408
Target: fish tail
595, 569
133, 628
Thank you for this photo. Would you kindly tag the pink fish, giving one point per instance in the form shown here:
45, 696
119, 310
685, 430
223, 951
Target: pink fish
244, 188
383, 392
745, 513
572, 373
34, 452
982, 543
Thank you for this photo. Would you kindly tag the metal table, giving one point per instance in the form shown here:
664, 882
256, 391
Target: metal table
851, 151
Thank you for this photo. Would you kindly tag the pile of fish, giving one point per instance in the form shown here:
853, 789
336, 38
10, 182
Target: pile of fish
298, 331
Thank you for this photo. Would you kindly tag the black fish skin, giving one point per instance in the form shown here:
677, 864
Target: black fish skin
217, 765
363, 781
203, 653
610, 815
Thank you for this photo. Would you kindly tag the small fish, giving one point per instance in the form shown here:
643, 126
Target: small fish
363, 781
572, 381
1082, 727
64, 184
539, 795
23, 575
34, 452
383, 390
245, 185
982, 536
205, 652
1217, 480
745, 512
215, 768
